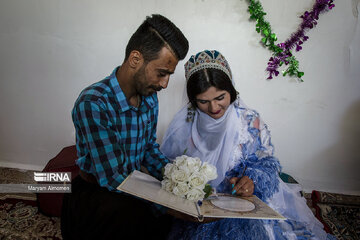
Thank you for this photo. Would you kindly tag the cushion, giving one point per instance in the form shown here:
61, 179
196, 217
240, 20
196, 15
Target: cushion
50, 204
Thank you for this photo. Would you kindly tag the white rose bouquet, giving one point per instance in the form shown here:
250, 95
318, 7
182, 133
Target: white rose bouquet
187, 177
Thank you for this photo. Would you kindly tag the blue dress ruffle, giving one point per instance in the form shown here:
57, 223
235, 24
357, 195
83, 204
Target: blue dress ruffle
221, 229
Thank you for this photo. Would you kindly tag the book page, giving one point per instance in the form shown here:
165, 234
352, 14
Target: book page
261, 211
147, 187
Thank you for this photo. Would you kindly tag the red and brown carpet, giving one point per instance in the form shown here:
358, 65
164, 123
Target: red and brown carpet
339, 213
20, 219
19, 215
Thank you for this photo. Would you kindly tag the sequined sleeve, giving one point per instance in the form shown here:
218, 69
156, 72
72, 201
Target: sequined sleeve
258, 159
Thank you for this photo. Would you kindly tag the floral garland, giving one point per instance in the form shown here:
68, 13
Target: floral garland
282, 52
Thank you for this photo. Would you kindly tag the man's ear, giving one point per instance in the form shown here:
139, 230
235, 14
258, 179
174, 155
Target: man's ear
135, 59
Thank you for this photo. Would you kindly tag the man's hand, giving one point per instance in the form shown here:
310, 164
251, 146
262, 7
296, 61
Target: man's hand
242, 186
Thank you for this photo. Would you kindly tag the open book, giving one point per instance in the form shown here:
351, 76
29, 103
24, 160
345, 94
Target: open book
147, 187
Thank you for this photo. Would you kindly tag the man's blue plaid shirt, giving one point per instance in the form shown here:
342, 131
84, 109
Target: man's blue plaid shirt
114, 138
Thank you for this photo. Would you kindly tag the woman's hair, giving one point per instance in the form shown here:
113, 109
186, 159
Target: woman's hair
153, 34
203, 79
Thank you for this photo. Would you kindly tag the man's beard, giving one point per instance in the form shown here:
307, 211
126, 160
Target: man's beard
140, 81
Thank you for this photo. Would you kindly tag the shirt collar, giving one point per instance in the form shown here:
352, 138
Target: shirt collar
146, 104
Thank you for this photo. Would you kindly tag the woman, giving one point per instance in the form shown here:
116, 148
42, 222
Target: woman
220, 129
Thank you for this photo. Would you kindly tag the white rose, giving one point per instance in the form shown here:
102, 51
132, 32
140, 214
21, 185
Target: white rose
195, 194
197, 180
181, 189
167, 185
209, 171
194, 164
181, 161
180, 175
168, 170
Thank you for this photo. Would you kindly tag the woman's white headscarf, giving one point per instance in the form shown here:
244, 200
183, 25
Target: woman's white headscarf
212, 140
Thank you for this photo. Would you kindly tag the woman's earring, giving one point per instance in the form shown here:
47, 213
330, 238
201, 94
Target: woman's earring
237, 100
190, 114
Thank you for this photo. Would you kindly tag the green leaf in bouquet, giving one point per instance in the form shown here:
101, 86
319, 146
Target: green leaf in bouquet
208, 190
185, 151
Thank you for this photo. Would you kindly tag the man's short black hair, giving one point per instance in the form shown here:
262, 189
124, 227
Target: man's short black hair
203, 79
153, 34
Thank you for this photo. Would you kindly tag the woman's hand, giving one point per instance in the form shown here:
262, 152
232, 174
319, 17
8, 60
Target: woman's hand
243, 186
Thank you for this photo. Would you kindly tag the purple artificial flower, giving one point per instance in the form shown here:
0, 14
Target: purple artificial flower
297, 38
273, 65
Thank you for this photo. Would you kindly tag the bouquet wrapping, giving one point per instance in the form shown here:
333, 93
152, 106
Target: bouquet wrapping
187, 177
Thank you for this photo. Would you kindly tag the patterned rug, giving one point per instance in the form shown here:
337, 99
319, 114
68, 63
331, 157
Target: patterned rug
20, 219
19, 216
339, 213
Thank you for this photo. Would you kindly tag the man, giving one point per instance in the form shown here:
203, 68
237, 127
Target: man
115, 121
